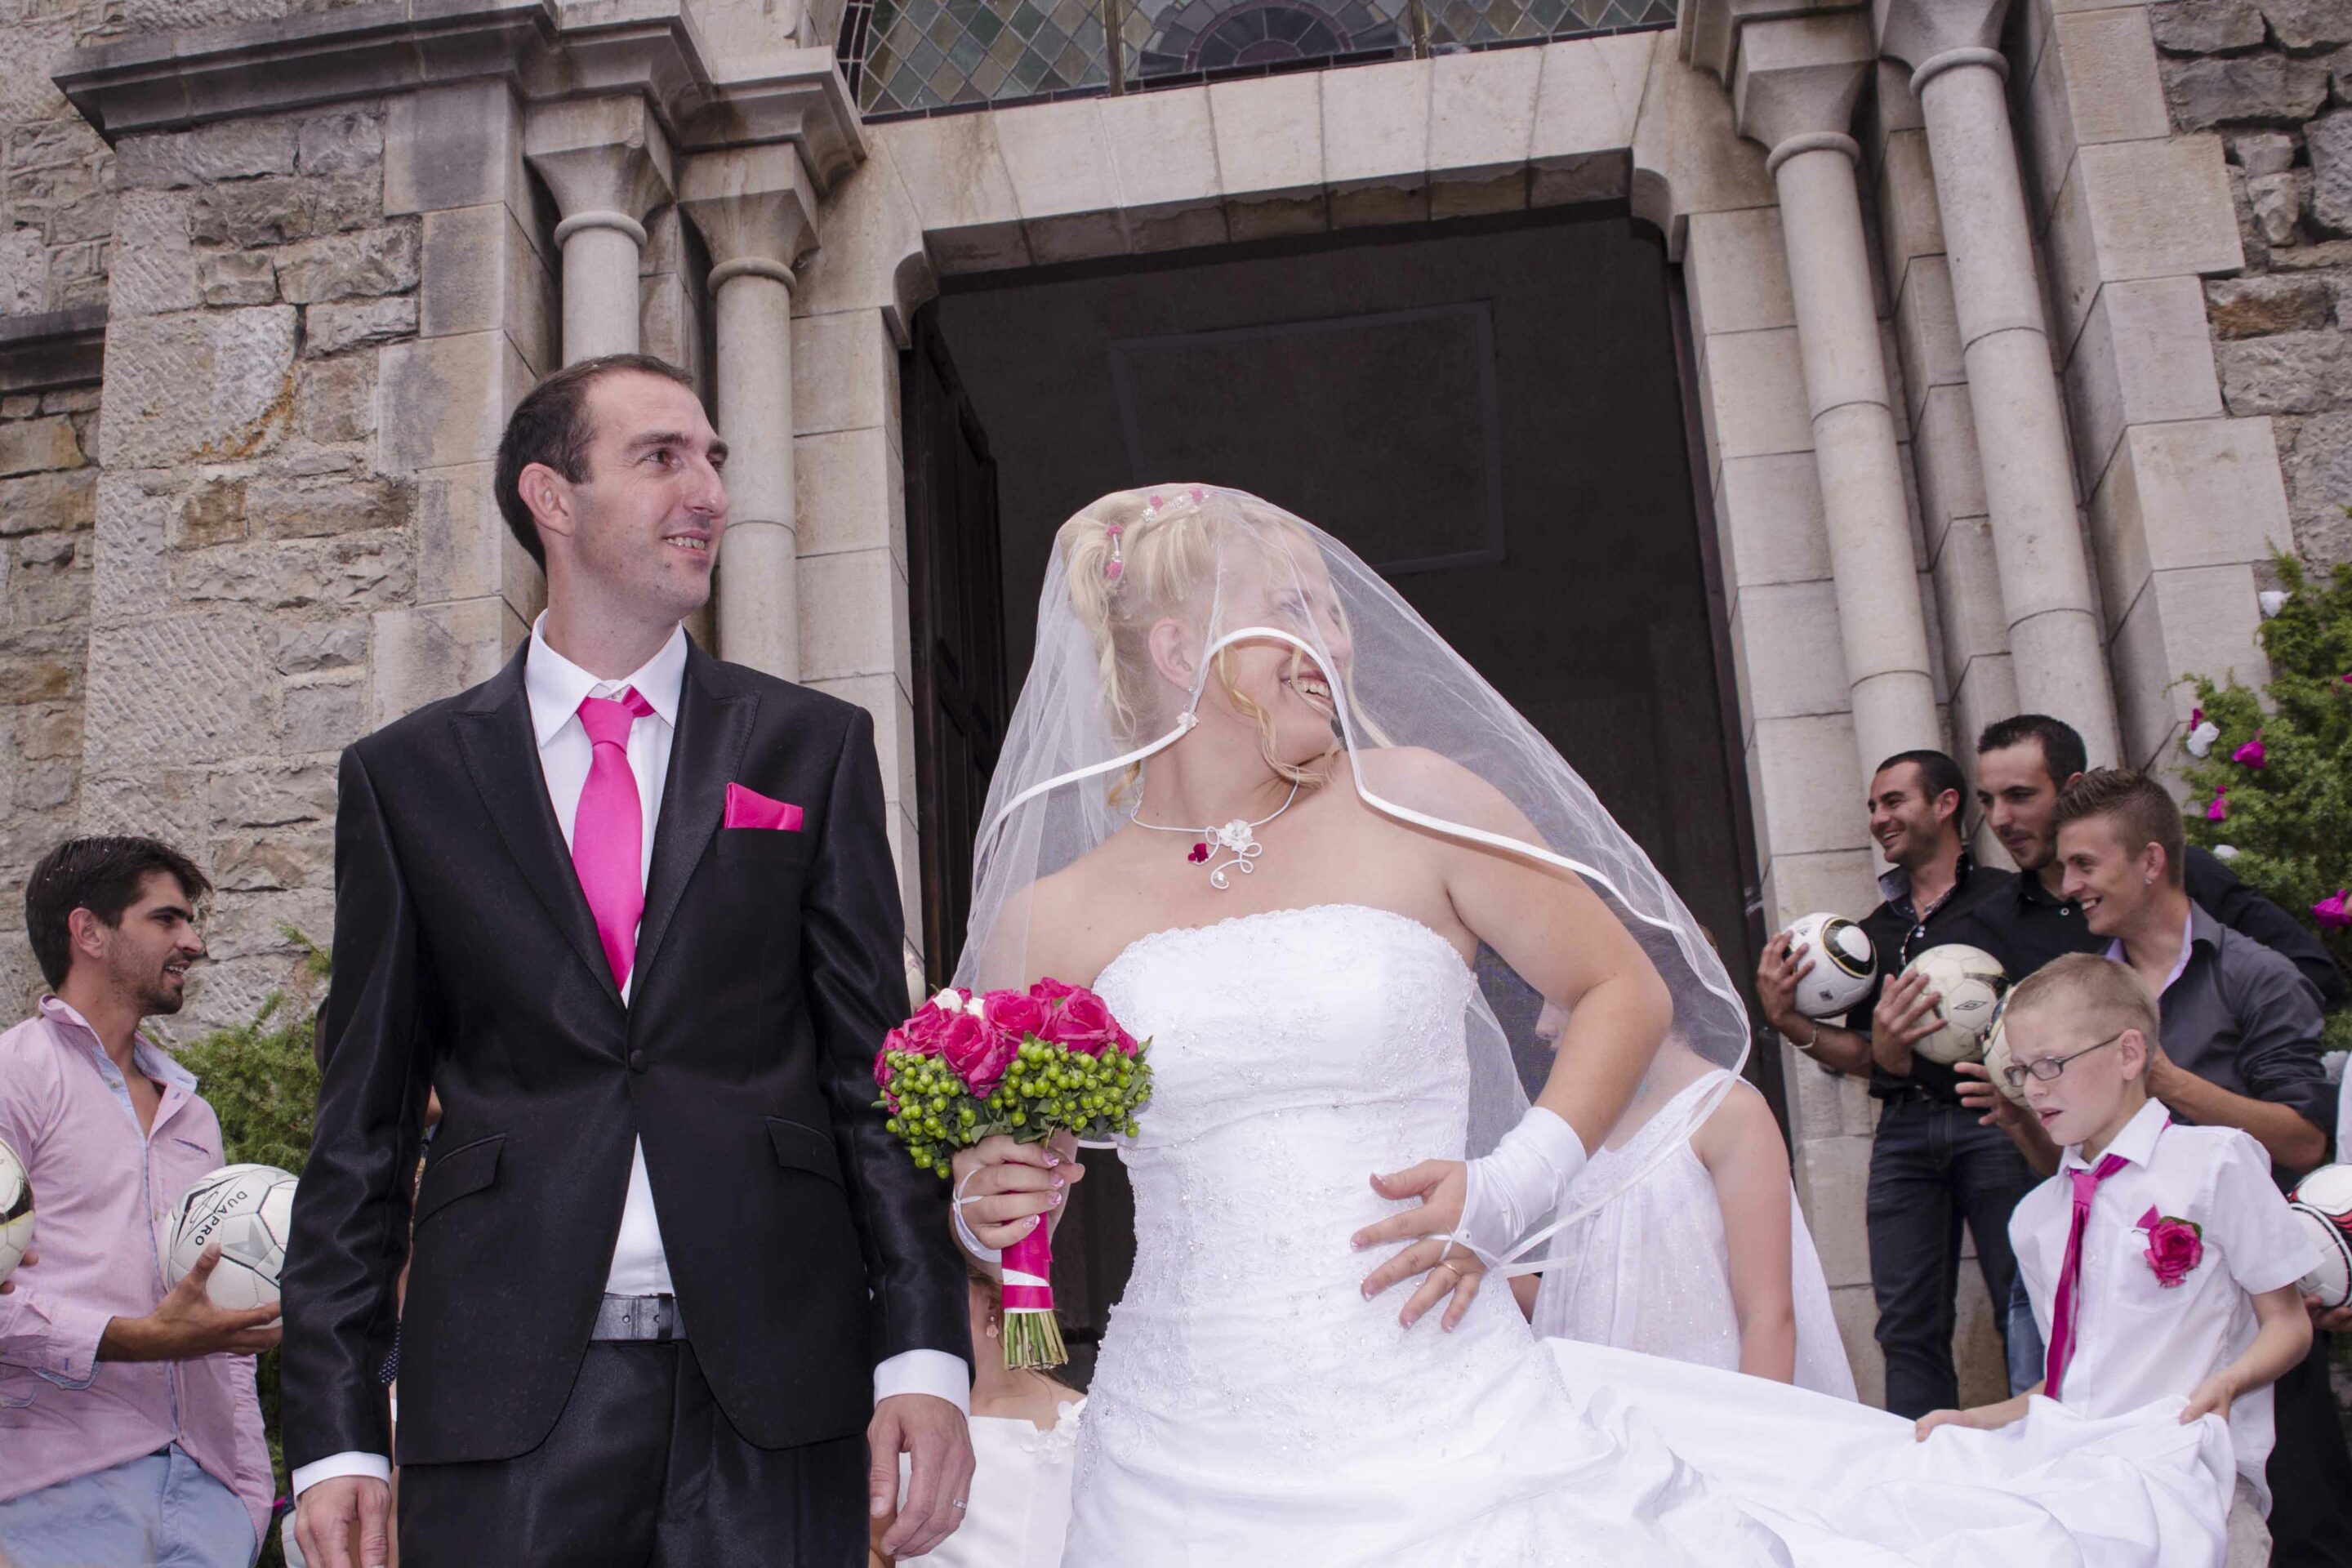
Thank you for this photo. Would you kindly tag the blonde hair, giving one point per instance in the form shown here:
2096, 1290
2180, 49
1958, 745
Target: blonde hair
2108, 995
1135, 558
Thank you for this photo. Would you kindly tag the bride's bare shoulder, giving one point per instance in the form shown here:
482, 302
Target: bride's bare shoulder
1431, 781
1059, 913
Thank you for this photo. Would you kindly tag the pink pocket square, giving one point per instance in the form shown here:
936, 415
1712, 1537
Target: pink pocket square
750, 809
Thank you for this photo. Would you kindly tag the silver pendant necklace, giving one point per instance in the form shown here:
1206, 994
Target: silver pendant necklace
1236, 838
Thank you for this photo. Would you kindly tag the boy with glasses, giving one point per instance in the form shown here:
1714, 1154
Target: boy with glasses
2162, 1260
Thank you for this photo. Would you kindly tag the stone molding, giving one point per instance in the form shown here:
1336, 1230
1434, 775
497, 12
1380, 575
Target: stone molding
1789, 74
55, 350
169, 81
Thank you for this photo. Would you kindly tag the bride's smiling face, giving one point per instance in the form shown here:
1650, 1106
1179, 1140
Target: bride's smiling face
1265, 684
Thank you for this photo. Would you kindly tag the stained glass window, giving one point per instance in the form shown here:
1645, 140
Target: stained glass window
926, 57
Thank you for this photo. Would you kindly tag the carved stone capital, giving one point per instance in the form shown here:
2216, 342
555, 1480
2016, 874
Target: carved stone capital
1799, 76
754, 207
1917, 31
603, 158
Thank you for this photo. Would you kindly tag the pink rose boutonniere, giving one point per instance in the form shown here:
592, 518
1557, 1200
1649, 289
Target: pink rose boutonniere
2174, 1248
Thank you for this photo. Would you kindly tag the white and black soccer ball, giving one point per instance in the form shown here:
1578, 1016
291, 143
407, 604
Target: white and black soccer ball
1997, 1059
1844, 964
250, 1210
15, 1211
2322, 1202
1969, 983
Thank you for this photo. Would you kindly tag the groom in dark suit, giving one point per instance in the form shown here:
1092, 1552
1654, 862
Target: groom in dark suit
630, 911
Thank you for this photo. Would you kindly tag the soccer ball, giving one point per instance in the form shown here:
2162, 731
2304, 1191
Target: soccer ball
248, 1209
1996, 1052
1970, 982
2322, 1201
1844, 966
15, 1211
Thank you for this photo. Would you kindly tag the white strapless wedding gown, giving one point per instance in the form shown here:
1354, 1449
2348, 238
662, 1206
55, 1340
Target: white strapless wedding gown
1250, 1408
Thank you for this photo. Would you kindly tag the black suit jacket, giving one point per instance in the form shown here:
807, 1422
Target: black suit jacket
803, 1244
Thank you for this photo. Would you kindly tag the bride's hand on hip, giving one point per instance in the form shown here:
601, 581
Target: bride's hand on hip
1443, 1268
1003, 1187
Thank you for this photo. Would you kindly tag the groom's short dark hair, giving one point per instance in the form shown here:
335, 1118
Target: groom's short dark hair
551, 426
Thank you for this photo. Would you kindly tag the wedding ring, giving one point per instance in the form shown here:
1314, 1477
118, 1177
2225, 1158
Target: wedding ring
960, 1502
1440, 1263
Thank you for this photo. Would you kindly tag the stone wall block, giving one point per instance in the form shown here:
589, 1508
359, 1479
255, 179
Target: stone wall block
1969, 606
283, 209
311, 509
2330, 143
237, 277
2139, 209
845, 372
346, 141
355, 570
62, 500
455, 147
853, 615
332, 329
1482, 114
1736, 268
273, 794
213, 514
2112, 91
34, 446
1928, 333
154, 265
322, 715
1376, 126
1951, 473
1910, 222
209, 155
1773, 523
2196, 621
2205, 27
1756, 386
955, 175
1810, 787
192, 688
296, 854
445, 401
355, 266
2234, 90
481, 274
1063, 181
1163, 154
198, 388
308, 647
2257, 307
2319, 484
851, 470
1269, 137
2143, 356
131, 573
334, 400
2286, 373
437, 650
1791, 660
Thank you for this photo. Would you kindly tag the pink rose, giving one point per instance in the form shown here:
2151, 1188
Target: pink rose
1084, 1024
921, 1032
2174, 1248
977, 1054
2218, 809
1050, 990
1016, 1015
2251, 753
2332, 911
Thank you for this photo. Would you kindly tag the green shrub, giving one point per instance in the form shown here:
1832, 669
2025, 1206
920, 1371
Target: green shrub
2290, 819
261, 1080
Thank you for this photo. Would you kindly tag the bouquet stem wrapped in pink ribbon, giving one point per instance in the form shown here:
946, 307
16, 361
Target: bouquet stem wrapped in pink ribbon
1026, 1064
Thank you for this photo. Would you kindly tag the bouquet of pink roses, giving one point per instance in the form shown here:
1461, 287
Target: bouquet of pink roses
1027, 1063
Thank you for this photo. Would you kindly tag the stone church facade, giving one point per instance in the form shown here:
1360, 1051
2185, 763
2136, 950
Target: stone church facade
2021, 336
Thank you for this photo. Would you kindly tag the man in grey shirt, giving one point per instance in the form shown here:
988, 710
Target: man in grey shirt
2239, 1048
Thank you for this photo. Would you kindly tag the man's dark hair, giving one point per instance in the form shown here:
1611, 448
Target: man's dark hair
102, 875
551, 426
1938, 773
2062, 753
2141, 811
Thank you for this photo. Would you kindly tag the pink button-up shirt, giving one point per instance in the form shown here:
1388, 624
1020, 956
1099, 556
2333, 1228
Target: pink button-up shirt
100, 1190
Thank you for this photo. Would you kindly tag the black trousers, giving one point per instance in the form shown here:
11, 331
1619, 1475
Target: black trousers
1932, 1169
643, 1470
2310, 1472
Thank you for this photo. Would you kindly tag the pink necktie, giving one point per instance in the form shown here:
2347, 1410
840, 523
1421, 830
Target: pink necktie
2066, 1308
608, 834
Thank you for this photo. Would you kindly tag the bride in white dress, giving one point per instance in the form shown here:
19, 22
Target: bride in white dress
1307, 1368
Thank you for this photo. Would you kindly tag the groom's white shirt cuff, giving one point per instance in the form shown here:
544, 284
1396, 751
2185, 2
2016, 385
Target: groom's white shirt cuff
935, 1373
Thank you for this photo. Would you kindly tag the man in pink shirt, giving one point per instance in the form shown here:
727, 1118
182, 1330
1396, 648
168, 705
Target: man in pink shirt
128, 1414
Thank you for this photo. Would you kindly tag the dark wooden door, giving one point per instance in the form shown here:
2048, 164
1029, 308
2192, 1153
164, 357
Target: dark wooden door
957, 630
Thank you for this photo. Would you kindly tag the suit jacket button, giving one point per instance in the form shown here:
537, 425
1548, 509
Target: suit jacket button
636, 1062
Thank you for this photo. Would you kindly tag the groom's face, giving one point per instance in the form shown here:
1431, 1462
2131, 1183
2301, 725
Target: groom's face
654, 507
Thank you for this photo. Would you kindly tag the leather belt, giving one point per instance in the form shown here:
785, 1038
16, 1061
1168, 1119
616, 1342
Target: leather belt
639, 1319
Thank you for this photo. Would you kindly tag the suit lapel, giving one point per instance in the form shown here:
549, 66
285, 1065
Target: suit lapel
501, 753
713, 727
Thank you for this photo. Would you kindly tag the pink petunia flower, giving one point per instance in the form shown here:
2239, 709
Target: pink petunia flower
2218, 810
2251, 753
2333, 910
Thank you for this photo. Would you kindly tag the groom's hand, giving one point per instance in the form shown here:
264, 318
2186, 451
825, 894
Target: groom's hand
325, 1514
933, 1434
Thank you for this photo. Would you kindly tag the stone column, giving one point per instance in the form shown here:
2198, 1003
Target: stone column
608, 166
755, 208
1794, 84
1960, 79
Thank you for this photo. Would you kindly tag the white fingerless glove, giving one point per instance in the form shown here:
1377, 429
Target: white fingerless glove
1523, 1180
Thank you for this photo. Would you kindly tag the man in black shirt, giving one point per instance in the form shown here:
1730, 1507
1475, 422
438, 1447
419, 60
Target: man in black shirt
1933, 1166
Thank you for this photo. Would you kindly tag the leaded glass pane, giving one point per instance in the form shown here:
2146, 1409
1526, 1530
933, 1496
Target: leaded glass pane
934, 54
1176, 38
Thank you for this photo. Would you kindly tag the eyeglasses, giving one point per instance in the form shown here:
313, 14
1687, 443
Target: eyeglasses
2048, 1068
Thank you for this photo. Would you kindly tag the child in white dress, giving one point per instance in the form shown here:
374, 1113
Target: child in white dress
1024, 1441
2161, 1260
1705, 1256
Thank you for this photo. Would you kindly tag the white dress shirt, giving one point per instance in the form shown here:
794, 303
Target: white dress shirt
555, 688
2138, 1340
